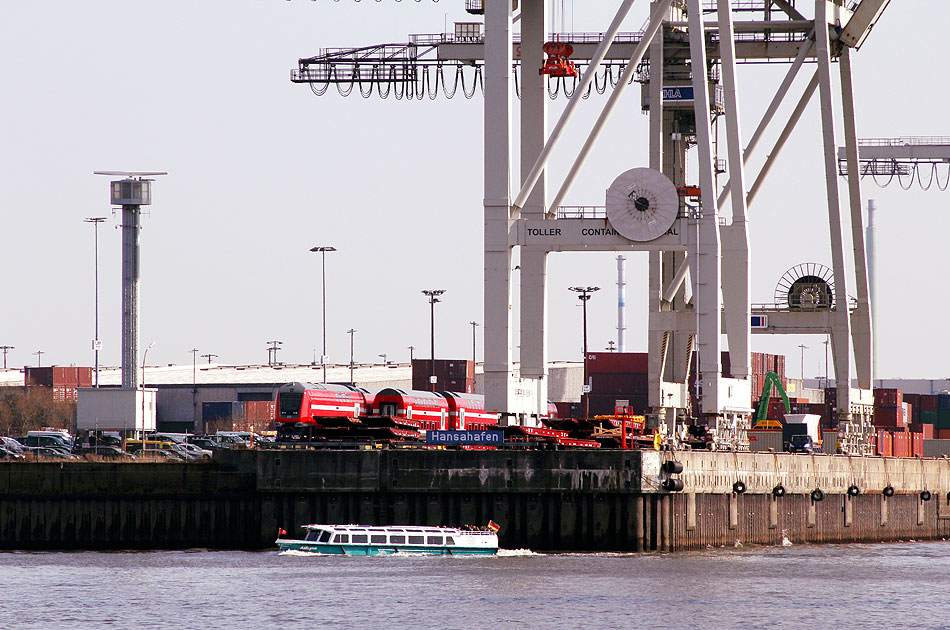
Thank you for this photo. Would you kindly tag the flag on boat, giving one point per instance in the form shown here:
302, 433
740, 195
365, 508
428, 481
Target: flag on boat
281, 531
492, 525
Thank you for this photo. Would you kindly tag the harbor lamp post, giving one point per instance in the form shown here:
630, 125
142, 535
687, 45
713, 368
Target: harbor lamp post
351, 332
7, 349
803, 347
433, 295
96, 344
583, 294
474, 326
323, 254
144, 358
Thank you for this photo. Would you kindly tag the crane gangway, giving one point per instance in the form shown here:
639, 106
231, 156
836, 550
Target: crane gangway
444, 62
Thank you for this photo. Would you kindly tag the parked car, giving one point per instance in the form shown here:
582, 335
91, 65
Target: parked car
11, 445
801, 444
196, 451
206, 443
7, 454
104, 452
49, 452
158, 454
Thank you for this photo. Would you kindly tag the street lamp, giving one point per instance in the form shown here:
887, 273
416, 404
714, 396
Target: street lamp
803, 347
474, 326
209, 356
39, 358
433, 295
144, 357
96, 344
7, 349
583, 294
323, 254
272, 351
383, 357
351, 332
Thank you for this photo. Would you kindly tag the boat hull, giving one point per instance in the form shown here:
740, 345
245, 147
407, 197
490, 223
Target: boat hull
380, 550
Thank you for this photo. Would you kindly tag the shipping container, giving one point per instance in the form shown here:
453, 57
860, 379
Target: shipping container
885, 444
619, 383
889, 417
917, 445
928, 402
927, 431
764, 440
443, 369
887, 397
943, 419
458, 385
913, 399
942, 434
928, 416
943, 402
617, 362
259, 411
230, 410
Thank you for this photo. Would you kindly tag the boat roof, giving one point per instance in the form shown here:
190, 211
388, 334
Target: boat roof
386, 528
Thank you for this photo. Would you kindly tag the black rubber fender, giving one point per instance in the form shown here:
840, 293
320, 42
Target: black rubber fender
738, 487
673, 485
817, 495
778, 491
853, 490
672, 467
888, 491
925, 495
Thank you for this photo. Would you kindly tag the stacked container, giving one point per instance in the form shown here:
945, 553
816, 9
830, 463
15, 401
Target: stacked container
885, 444
943, 412
62, 380
452, 375
258, 416
928, 409
889, 408
221, 416
617, 376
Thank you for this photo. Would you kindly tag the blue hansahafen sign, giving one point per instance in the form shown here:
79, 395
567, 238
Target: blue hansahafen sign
684, 93
465, 437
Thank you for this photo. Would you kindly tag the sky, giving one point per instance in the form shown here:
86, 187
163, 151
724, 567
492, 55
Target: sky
260, 170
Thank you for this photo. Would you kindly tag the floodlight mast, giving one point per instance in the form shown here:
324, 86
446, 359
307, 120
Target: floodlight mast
132, 192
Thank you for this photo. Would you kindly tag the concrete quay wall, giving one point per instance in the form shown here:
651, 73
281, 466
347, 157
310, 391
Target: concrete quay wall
543, 500
82, 505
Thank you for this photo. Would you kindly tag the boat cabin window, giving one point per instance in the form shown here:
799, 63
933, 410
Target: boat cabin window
359, 538
378, 539
341, 538
325, 537
433, 540
449, 540
417, 540
313, 534
397, 540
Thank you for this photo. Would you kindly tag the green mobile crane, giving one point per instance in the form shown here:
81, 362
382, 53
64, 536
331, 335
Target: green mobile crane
771, 380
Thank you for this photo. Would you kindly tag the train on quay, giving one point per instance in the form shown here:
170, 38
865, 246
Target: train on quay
319, 412
332, 414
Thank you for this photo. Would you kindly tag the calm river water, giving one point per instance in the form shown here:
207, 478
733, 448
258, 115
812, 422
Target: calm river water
817, 587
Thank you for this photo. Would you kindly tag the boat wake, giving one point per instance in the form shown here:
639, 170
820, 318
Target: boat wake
510, 553
295, 552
